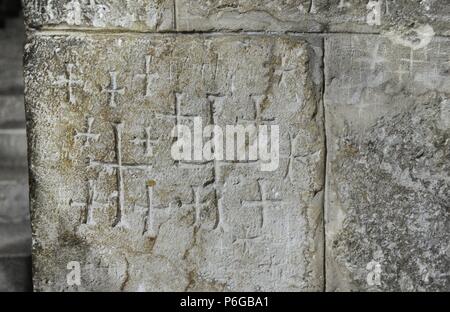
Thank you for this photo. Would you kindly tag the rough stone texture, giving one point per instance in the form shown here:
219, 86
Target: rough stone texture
107, 193
147, 15
138, 220
249, 15
312, 15
15, 274
388, 172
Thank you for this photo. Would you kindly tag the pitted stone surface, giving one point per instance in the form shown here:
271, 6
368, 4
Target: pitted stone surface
347, 16
313, 15
388, 130
107, 193
141, 15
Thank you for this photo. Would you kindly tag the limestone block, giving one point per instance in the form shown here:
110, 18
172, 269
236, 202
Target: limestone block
107, 192
15, 274
140, 15
312, 15
388, 173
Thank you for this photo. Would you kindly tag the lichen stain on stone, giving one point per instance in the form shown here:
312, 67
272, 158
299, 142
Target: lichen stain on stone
386, 202
351, 150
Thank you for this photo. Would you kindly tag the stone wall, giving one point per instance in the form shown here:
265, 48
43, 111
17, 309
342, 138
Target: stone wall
359, 91
15, 232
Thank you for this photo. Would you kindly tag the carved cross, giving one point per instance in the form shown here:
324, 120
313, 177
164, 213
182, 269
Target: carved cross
113, 89
70, 81
88, 136
119, 168
147, 142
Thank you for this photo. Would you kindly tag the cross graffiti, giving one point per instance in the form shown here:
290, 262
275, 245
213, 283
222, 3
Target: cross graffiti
119, 167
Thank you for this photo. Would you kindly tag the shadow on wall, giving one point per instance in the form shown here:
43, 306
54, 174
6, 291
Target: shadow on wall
15, 229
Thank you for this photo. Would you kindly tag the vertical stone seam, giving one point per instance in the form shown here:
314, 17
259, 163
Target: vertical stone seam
324, 202
175, 15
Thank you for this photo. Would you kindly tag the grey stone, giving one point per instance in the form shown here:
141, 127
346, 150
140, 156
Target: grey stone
312, 15
15, 274
388, 172
233, 15
104, 92
139, 15
134, 218
12, 112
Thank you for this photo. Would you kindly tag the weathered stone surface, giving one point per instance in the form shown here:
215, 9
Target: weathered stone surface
134, 218
15, 274
233, 15
312, 15
388, 173
142, 15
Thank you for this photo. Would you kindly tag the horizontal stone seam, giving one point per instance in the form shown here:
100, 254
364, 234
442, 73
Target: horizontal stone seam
218, 31
56, 31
